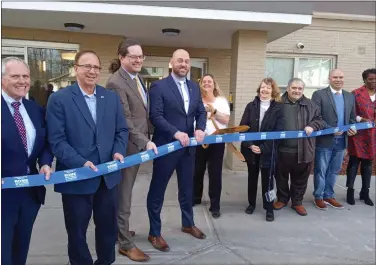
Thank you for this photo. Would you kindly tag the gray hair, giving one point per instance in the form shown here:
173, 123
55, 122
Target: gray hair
295, 79
11, 59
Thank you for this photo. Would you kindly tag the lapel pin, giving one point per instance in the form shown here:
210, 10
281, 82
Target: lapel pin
102, 96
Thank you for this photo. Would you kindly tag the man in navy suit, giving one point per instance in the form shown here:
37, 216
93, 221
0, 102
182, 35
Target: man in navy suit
86, 127
23, 145
175, 104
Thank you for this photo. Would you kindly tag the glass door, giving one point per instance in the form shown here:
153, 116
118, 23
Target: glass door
198, 69
153, 70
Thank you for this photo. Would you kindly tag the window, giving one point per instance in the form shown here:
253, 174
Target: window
50, 63
313, 70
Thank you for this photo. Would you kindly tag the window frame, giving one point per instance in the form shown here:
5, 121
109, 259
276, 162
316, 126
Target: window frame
296, 58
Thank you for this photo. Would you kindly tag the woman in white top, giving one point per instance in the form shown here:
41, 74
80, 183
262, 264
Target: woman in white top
218, 110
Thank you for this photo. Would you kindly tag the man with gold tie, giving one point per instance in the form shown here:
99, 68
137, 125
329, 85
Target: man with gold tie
126, 81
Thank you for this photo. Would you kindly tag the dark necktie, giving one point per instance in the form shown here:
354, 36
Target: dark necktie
20, 123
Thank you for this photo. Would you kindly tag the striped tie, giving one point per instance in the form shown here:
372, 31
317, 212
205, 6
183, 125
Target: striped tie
20, 123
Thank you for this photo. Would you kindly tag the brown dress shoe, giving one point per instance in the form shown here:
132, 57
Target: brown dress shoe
300, 210
159, 243
320, 204
278, 205
332, 202
134, 254
194, 231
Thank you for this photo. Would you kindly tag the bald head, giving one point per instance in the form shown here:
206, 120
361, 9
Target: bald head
180, 62
336, 79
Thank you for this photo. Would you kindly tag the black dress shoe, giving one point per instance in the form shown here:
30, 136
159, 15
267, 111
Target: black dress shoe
270, 216
216, 214
250, 209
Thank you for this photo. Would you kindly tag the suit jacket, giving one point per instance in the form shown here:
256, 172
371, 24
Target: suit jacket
15, 160
167, 113
135, 111
76, 139
325, 100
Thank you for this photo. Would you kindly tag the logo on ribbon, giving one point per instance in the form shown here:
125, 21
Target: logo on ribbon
70, 175
170, 147
336, 130
283, 135
145, 157
300, 134
193, 141
21, 181
112, 166
318, 133
218, 139
241, 137
263, 136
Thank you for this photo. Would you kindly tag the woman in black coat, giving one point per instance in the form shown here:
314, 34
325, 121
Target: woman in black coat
263, 114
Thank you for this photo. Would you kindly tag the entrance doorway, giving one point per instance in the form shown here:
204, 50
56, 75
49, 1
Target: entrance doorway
155, 68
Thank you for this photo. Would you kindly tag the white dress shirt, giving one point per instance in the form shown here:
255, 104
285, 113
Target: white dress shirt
29, 126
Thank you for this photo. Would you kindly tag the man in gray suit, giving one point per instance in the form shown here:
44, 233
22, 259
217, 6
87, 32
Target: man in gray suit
135, 100
337, 109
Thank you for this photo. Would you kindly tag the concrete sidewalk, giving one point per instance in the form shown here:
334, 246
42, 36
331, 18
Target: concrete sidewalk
323, 237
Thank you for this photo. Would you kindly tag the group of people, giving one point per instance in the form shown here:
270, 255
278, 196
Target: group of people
294, 159
86, 124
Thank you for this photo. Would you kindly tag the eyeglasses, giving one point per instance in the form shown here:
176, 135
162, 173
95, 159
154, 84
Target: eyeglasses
88, 67
135, 57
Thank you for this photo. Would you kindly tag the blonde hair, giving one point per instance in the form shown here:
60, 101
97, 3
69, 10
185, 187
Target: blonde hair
217, 92
276, 92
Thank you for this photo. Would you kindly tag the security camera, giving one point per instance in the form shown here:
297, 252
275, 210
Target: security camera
300, 46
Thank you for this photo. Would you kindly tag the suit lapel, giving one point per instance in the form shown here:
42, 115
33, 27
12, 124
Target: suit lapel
101, 105
79, 99
189, 85
131, 83
330, 96
175, 90
8, 119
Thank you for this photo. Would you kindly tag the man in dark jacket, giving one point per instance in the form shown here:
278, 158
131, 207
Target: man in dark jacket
296, 156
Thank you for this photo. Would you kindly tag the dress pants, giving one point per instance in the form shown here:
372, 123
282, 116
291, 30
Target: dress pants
288, 168
78, 209
365, 172
125, 203
163, 167
266, 183
19, 210
213, 158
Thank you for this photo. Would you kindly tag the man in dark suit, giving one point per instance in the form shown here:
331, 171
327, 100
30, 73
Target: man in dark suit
134, 98
175, 104
86, 127
23, 145
337, 109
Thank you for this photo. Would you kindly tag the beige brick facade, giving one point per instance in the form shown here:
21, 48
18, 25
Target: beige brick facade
240, 69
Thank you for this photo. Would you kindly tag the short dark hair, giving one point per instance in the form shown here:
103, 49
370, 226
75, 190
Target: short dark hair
368, 72
122, 51
83, 52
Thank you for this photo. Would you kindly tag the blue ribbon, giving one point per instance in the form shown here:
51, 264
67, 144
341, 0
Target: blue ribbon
87, 173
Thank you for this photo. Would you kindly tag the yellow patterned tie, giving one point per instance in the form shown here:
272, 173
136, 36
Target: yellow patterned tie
139, 87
